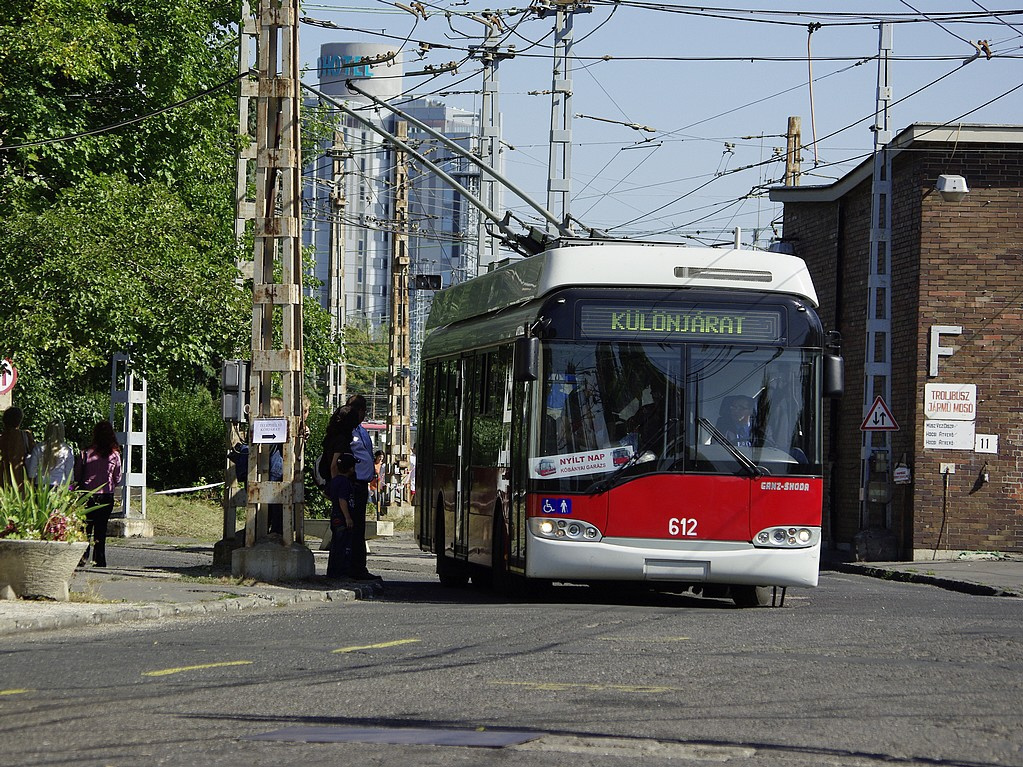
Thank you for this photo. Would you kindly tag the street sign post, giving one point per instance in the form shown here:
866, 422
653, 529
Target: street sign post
8, 376
879, 417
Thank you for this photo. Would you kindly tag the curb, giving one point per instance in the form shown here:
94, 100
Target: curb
127, 612
963, 587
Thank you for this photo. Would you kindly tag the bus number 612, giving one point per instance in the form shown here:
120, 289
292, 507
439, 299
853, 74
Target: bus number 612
683, 526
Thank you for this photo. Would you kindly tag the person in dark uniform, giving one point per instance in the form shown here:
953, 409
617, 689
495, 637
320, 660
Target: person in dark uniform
362, 448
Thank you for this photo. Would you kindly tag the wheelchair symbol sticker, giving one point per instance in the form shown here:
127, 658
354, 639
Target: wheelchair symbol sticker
557, 506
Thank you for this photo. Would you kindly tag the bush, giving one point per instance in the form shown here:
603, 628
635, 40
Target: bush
186, 440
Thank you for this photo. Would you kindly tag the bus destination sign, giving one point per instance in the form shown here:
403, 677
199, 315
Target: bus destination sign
603, 321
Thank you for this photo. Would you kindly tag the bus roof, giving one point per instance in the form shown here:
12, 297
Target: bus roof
621, 264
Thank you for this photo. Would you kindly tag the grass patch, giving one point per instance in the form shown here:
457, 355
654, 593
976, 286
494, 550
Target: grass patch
188, 516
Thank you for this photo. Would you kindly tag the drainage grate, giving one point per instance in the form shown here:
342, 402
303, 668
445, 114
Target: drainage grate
404, 736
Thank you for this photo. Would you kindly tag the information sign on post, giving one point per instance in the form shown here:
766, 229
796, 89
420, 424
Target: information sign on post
270, 430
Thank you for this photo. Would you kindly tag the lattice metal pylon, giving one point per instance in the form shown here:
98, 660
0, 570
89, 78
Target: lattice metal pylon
875, 455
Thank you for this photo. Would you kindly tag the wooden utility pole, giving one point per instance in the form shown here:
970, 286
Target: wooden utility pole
337, 377
399, 419
276, 370
793, 159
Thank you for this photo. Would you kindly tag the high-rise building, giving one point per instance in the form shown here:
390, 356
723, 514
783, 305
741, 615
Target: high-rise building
353, 263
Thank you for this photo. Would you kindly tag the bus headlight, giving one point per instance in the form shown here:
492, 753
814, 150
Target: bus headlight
787, 537
563, 529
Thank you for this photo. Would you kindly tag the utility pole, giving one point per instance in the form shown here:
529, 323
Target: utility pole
490, 140
396, 458
875, 455
244, 212
337, 372
793, 140
276, 310
559, 173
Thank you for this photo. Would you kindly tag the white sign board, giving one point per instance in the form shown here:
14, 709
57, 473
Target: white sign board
599, 461
949, 435
270, 430
950, 402
986, 443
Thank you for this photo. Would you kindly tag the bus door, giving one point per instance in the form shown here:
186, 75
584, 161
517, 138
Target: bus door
486, 457
521, 391
459, 530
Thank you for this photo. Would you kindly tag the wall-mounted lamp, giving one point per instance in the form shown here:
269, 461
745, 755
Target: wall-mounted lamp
952, 188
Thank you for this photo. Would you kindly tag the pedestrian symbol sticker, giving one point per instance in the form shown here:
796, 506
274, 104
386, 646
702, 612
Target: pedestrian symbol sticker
556, 506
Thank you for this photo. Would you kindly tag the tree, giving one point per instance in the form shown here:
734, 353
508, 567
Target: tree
113, 266
84, 67
117, 156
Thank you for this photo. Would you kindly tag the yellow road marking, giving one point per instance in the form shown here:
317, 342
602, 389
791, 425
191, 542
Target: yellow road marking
13, 692
395, 643
643, 639
563, 686
169, 671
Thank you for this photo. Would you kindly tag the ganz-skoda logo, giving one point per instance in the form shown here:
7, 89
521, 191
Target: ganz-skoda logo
337, 66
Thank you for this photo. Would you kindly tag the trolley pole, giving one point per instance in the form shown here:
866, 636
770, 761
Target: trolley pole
396, 451
276, 365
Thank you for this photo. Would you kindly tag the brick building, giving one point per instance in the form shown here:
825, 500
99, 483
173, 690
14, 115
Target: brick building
954, 265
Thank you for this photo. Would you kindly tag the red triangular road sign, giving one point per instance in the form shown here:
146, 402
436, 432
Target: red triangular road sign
879, 418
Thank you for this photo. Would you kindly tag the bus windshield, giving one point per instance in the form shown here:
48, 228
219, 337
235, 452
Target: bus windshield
614, 411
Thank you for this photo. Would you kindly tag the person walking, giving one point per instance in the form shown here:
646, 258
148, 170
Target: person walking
52, 462
16, 445
362, 449
100, 472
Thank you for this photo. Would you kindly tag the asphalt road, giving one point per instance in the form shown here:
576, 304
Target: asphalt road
857, 672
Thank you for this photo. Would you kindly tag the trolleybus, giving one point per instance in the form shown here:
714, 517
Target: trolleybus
609, 411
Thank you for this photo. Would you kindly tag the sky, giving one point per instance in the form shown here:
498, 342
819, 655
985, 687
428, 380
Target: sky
716, 84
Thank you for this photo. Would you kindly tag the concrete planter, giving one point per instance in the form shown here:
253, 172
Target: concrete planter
38, 569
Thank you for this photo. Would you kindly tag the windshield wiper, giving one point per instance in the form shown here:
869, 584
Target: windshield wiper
745, 461
605, 484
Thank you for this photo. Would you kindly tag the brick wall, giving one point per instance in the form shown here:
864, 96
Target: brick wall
970, 258
952, 264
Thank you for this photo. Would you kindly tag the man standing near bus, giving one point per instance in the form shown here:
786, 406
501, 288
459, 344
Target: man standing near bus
365, 471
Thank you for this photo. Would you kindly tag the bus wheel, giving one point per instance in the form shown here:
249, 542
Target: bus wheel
452, 574
751, 596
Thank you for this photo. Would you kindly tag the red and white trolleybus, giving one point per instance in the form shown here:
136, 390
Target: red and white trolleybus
609, 411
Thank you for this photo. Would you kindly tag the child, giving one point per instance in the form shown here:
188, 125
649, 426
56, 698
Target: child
339, 490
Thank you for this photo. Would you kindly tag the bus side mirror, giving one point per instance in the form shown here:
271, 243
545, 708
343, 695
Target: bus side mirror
834, 375
527, 358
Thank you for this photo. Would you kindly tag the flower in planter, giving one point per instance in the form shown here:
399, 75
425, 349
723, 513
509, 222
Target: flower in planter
42, 513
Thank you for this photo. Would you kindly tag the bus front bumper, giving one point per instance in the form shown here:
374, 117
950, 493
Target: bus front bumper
638, 559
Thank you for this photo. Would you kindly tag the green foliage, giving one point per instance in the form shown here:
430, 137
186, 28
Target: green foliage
113, 267
186, 439
77, 66
40, 512
367, 367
